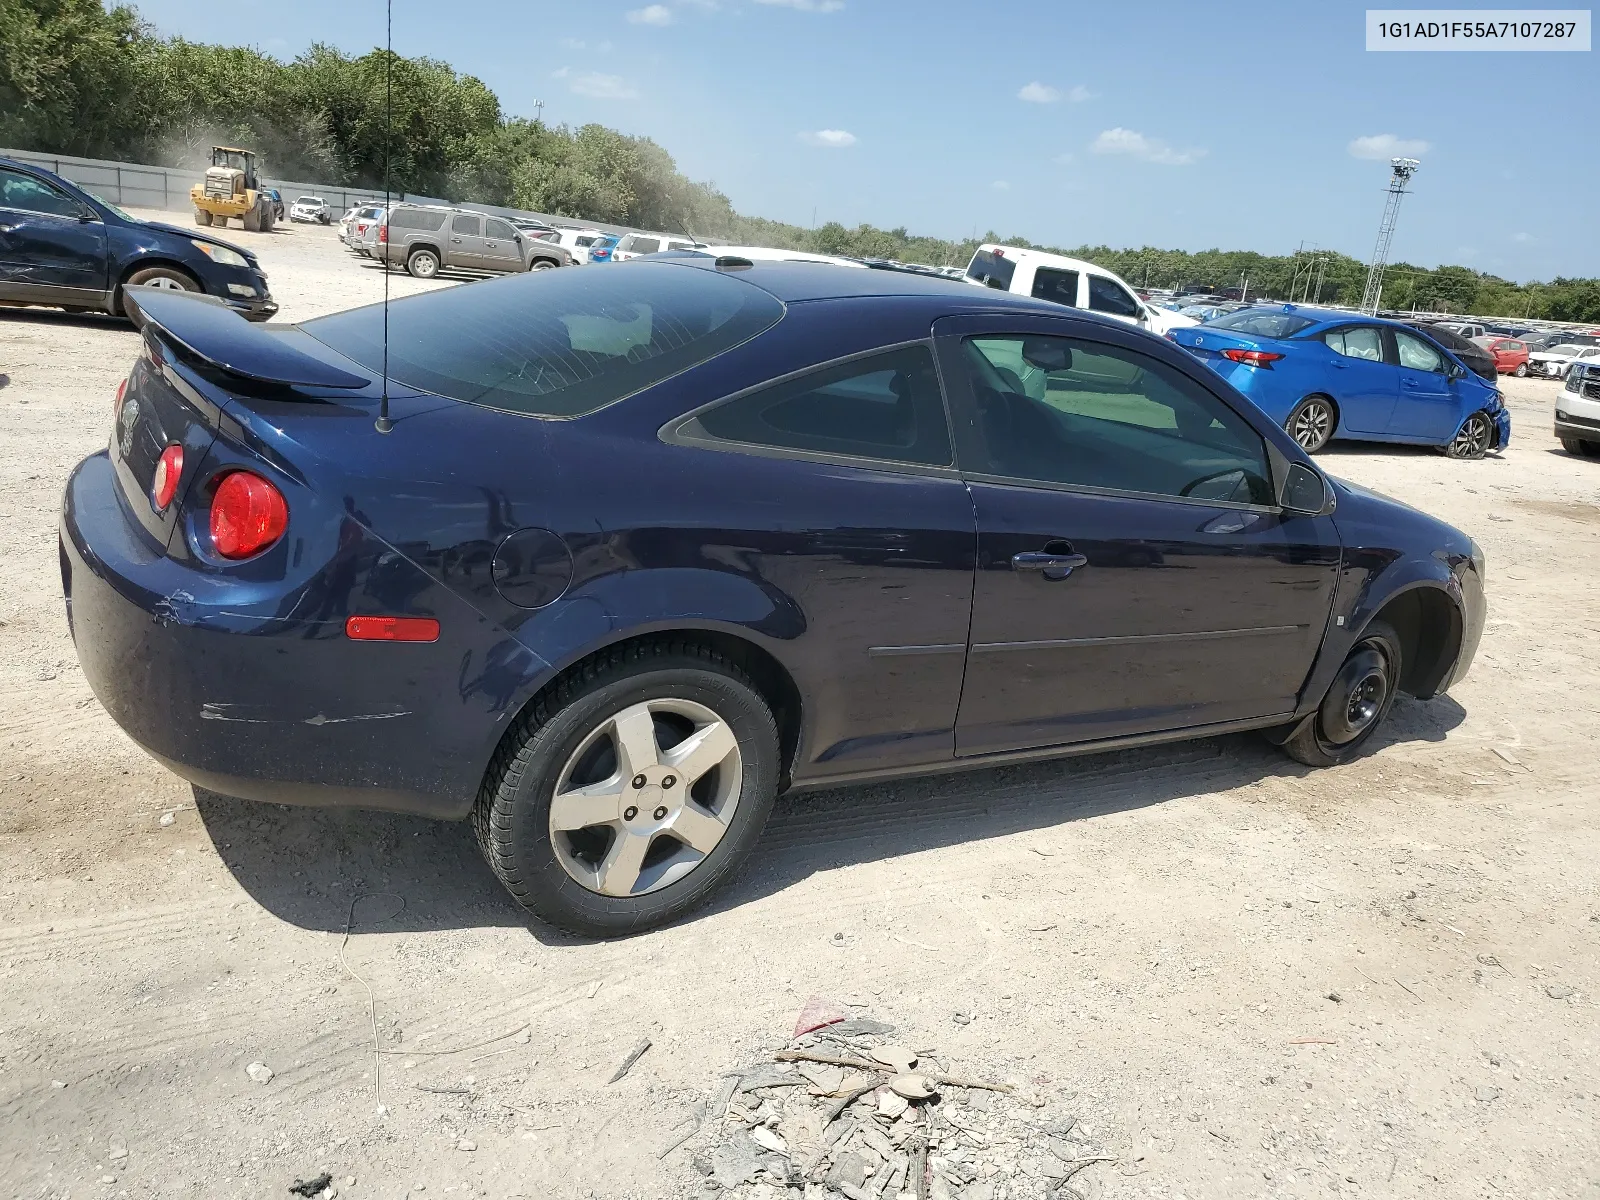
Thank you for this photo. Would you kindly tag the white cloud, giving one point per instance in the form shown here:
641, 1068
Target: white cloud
598, 86
1079, 94
1522, 237
1038, 93
1147, 149
651, 14
816, 6
1000, 185
574, 44
1386, 146
829, 137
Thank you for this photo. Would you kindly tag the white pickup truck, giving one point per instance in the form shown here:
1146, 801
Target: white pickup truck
1068, 281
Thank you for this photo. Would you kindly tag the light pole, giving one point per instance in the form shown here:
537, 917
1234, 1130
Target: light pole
1400, 172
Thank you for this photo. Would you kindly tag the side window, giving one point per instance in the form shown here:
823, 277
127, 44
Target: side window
1108, 296
498, 229
1364, 341
1513, 346
885, 406
467, 224
1416, 353
1061, 287
643, 245
1065, 411
27, 194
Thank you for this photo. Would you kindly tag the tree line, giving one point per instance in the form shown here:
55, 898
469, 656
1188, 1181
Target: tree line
78, 78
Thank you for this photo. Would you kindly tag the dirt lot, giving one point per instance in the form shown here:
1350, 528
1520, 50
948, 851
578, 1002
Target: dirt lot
1248, 979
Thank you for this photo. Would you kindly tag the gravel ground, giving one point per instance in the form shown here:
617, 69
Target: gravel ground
1246, 978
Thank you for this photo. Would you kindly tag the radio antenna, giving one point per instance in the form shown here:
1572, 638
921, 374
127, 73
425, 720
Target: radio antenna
384, 424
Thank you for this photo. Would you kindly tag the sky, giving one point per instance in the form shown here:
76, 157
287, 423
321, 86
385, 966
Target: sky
1235, 126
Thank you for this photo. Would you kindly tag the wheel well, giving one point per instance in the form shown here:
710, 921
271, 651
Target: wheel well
771, 679
145, 264
1429, 626
429, 247
1332, 403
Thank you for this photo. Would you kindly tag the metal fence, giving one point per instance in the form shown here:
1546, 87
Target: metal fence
140, 185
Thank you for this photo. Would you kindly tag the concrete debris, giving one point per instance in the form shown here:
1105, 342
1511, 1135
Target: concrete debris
259, 1072
866, 1127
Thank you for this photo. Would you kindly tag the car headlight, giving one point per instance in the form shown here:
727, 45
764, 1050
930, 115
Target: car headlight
221, 254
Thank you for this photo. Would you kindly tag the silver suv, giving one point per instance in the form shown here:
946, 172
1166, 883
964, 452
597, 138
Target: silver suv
426, 239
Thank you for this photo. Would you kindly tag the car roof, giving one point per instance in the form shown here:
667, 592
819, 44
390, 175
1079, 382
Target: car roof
1023, 254
794, 282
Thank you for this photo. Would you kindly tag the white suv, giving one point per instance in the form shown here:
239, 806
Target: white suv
311, 208
636, 244
1068, 281
577, 242
1578, 410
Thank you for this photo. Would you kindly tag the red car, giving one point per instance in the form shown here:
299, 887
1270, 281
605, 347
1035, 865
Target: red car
1510, 354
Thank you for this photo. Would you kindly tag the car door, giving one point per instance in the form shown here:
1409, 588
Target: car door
1134, 574
1359, 377
52, 246
850, 513
465, 247
502, 250
1427, 405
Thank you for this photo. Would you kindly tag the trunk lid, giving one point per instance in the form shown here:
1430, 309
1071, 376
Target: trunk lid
1207, 343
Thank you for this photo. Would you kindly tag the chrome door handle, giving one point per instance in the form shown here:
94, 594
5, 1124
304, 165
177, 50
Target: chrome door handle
1054, 567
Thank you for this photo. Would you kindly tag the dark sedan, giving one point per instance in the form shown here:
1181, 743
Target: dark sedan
65, 247
642, 548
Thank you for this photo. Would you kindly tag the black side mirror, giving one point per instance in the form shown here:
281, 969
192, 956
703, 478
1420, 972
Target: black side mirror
1305, 491
1046, 353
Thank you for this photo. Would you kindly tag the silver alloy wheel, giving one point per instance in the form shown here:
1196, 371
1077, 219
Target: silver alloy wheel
1472, 439
1312, 425
167, 284
657, 813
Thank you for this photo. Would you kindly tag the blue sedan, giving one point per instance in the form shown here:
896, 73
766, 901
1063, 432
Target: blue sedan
65, 247
1323, 374
603, 561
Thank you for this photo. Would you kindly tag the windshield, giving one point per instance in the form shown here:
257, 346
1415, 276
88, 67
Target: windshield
1259, 322
554, 346
309, 200
123, 213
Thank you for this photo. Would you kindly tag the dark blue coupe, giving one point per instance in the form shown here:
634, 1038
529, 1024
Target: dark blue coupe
645, 547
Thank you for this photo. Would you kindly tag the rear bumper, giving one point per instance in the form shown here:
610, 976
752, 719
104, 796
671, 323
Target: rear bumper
209, 677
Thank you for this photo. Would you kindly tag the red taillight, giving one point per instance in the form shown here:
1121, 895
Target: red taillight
1252, 358
392, 629
999, 253
383, 234
169, 469
122, 390
248, 514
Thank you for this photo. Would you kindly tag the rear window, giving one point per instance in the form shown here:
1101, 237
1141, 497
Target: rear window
555, 344
1262, 323
634, 244
416, 218
992, 270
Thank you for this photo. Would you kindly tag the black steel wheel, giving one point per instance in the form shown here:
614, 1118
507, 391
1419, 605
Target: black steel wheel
632, 791
1356, 703
1312, 423
1472, 439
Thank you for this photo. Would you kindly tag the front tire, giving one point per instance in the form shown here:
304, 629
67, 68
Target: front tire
541, 264
1581, 447
1312, 423
202, 217
632, 791
1472, 439
1356, 704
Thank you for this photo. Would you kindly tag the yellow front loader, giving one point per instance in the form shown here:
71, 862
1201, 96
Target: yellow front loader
231, 189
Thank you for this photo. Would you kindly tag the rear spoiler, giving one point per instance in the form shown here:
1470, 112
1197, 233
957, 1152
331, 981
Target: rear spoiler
209, 330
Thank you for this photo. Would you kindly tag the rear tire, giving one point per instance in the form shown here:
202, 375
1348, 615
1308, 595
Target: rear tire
1472, 439
1356, 704
1312, 423
575, 740
424, 264
1522, 371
